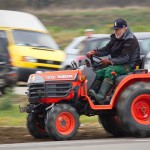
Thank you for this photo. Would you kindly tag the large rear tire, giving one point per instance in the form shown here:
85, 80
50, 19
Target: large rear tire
62, 122
113, 125
134, 109
36, 126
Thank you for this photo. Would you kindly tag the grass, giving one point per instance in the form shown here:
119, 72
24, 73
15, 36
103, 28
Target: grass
85, 119
10, 114
9, 109
65, 25
13, 117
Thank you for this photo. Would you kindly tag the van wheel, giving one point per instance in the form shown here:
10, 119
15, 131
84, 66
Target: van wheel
3, 90
36, 126
112, 125
62, 122
134, 109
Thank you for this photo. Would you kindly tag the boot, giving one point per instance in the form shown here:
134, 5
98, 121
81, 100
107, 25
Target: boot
105, 88
96, 86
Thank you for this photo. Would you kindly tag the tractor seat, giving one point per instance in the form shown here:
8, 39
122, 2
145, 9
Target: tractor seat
141, 70
138, 71
119, 79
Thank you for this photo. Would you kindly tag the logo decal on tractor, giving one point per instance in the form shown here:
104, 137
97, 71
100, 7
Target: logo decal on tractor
62, 76
51, 77
65, 76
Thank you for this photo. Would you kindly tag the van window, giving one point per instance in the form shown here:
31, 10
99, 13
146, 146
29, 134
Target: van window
2, 34
1, 46
3, 50
31, 38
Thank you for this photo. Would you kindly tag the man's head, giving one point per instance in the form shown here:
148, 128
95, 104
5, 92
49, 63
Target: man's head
120, 27
89, 32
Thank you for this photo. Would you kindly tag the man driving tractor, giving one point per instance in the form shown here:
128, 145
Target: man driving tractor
125, 56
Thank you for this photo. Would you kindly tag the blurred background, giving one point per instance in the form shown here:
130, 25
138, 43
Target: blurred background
65, 20
69, 18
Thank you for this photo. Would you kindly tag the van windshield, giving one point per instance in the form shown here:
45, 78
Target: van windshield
36, 39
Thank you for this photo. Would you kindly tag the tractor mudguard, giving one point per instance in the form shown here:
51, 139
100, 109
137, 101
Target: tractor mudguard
125, 82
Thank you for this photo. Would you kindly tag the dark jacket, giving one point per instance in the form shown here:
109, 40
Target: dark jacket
125, 50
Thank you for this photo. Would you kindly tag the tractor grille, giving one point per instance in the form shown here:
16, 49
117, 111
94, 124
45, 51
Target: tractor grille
48, 90
34, 90
57, 89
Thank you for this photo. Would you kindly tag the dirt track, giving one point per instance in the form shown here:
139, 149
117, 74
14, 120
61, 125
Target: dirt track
21, 135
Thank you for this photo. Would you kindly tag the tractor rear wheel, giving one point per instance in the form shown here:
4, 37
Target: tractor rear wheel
133, 108
36, 125
62, 122
112, 125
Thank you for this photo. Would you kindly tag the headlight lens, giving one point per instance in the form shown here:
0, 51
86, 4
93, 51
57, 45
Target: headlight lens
35, 79
30, 59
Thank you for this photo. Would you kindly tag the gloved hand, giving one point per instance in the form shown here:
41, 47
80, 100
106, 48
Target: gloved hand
106, 62
90, 53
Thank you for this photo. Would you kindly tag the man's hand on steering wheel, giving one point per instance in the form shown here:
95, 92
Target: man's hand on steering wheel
91, 53
106, 62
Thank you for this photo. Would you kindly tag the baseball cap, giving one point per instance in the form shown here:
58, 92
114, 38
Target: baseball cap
89, 30
119, 23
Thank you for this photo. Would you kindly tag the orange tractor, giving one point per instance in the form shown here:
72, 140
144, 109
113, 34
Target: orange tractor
57, 99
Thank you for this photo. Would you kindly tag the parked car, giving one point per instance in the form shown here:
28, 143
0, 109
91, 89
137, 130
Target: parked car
144, 42
30, 46
78, 48
8, 74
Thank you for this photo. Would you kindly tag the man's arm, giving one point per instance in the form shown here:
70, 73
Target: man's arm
104, 51
101, 52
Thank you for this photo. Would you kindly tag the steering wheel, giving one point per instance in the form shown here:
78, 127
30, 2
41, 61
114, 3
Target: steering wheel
95, 61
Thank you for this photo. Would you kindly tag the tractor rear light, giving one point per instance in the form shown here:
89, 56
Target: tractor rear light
114, 73
137, 67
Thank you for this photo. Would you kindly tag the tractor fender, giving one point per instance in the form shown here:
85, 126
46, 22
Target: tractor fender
125, 82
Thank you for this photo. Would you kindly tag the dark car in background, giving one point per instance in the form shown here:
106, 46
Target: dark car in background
8, 74
78, 48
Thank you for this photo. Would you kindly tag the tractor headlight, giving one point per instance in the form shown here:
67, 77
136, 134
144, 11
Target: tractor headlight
35, 79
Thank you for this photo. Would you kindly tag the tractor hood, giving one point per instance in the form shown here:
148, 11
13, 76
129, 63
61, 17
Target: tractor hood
68, 75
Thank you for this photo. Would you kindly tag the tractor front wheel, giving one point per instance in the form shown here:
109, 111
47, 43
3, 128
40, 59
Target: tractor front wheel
62, 122
36, 125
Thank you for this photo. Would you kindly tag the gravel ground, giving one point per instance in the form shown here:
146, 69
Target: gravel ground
21, 134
